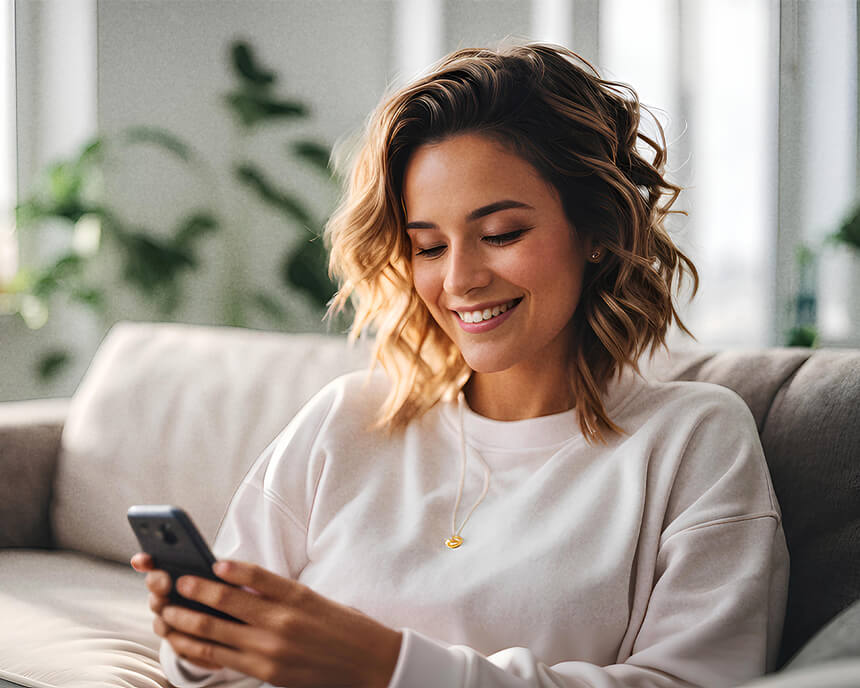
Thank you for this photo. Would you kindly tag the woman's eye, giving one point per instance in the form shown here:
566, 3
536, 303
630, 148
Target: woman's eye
493, 239
506, 238
431, 252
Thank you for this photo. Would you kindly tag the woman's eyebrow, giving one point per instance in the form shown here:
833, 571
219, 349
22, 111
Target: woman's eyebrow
475, 214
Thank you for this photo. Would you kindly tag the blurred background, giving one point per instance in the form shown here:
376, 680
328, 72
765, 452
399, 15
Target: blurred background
169, 159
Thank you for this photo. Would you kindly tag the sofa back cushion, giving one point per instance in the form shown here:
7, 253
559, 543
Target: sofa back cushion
175, 414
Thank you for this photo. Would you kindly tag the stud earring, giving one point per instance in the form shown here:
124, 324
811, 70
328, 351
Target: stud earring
595, 255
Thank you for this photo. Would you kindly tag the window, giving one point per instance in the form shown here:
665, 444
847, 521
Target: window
8, 158
716, 104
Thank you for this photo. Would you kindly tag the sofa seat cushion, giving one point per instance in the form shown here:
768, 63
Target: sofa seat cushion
73, 620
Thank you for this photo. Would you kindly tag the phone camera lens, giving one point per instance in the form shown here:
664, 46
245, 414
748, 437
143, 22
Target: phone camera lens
164, 533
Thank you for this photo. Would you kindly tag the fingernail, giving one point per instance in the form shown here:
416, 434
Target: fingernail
220, 567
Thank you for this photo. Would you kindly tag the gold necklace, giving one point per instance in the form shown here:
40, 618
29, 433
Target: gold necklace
456, 540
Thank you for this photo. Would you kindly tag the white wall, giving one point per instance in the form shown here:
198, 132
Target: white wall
166, 63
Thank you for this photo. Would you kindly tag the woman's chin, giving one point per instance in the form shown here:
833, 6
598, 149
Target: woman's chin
486, 365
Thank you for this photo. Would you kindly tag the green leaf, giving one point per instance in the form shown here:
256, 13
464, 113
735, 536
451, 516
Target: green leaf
804, 335
270, 306
90, 296
158, 137
246, 66
51, 279
64, 182
28, 212
92, 152
804, 255
251, 176
253, 108
52, 364
73, 211
45, 285
69, 265
193, 227
307, 270
152, 264
849, 232
317, 154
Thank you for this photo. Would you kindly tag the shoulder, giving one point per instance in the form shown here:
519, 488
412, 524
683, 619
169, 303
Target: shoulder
343, 409
706, 453
682, 406
700, 423
349, 401
355, 390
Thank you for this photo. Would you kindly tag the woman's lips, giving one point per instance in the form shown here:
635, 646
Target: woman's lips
486, 325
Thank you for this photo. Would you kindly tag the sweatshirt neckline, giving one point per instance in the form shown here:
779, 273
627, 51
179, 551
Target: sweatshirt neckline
542, 431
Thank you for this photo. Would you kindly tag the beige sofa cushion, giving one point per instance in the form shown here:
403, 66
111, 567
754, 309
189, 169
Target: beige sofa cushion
170, 414
76, 621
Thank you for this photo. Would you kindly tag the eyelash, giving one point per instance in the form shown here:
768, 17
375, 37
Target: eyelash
492, 239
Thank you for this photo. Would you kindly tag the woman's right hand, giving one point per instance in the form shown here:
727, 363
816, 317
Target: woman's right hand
158, 583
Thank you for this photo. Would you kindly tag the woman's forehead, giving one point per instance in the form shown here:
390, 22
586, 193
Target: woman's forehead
469, 172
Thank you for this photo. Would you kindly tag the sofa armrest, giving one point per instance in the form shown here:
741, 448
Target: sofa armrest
29, 445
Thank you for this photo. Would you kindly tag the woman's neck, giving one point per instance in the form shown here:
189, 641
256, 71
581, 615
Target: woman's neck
519, 393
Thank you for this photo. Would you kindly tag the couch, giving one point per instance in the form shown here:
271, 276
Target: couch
176, 414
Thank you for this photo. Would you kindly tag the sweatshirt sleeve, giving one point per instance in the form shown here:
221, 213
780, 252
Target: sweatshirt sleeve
263, 525
717, 602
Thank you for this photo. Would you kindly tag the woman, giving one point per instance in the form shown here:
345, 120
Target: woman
509, 503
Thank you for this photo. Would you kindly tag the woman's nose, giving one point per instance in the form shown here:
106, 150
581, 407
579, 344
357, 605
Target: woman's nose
466, 270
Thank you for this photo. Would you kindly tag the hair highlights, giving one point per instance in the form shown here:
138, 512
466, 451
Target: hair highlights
580, 132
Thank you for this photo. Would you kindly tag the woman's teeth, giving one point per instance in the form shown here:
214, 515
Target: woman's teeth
486, 314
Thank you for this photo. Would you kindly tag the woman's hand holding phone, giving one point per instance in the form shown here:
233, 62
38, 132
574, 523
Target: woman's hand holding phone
159, 584
250, 619
287, 635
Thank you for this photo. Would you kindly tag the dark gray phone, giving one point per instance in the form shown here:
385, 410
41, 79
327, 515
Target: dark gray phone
169, 536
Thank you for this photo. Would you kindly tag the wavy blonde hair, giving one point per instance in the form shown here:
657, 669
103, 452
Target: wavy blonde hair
549, 106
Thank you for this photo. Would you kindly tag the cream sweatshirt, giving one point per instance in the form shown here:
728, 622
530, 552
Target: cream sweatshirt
658, 560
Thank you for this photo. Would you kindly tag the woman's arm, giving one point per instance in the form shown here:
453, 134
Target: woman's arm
710, 616
291, 636
279, 544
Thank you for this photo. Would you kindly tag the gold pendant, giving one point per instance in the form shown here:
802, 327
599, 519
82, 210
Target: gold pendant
454, 541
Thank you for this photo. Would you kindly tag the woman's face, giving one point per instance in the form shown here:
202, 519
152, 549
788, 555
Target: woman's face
494, 258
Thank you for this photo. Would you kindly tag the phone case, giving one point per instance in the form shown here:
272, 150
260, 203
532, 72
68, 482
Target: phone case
170, 537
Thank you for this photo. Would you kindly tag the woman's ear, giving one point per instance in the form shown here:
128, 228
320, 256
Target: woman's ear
587, 246
593, 251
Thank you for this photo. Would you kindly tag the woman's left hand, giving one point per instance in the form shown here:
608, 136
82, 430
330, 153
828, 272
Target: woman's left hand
293, 637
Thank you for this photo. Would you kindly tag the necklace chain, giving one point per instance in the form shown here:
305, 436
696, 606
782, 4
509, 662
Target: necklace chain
456, 540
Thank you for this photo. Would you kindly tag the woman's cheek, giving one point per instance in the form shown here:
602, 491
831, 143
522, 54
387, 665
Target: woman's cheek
424, 285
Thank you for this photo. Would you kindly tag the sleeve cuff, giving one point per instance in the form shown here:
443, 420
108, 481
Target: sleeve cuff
426, 663
185, 674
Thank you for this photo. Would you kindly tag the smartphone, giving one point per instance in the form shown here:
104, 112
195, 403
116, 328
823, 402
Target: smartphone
170, 537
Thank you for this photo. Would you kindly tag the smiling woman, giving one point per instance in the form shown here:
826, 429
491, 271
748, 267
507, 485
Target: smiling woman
502, 236
539, 131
